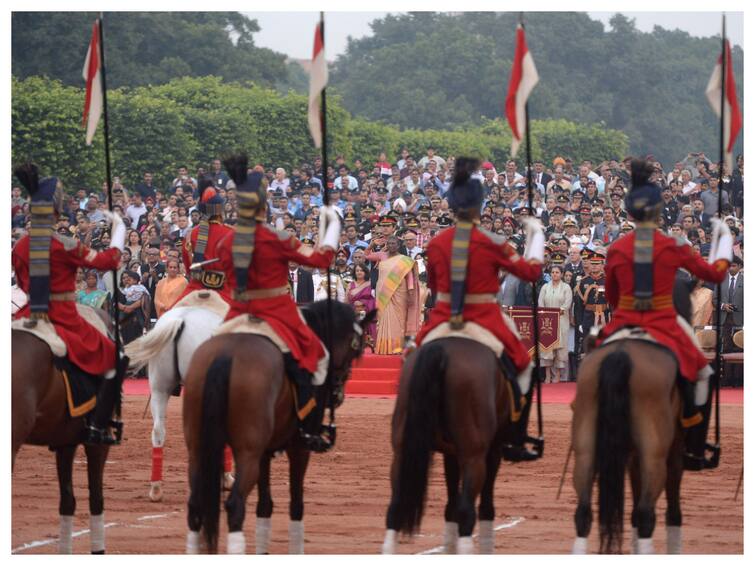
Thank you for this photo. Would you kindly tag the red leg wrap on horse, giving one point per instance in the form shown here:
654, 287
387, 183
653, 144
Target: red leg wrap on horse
157, 463
227, 459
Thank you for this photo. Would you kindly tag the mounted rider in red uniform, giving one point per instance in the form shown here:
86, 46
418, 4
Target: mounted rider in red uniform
255, 260
463, 266
640, 271
45, 264
200, 246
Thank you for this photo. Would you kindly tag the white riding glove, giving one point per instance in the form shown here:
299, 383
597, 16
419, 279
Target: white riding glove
535, 239
722, 241
117, 230
330, 229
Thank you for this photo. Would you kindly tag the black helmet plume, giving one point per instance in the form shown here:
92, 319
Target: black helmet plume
28, 175
644, 199
466, 192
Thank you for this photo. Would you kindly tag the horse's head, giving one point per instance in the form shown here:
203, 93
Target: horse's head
346, 339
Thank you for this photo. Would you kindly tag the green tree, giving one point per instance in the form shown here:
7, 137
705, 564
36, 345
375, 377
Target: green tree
143, 48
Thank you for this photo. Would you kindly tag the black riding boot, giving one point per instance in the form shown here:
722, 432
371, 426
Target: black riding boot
697, 433
101, 422
514, 449
308, 410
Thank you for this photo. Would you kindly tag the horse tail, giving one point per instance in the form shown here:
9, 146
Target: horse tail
422, 416
612, 445
143, 349
212, 440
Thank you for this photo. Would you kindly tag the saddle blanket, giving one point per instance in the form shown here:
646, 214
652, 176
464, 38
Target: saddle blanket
247, 324
637, 333
81, 387
473, 331
45, 330
205, 299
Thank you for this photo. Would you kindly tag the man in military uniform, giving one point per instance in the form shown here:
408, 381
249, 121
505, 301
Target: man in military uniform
590, 304
200, 246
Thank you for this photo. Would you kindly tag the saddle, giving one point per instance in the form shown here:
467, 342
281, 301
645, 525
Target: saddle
470, 331
45, 330
205, 299
248, 324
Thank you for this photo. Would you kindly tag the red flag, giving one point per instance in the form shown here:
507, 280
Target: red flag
318, 79
91, 73
732, 116
524, 77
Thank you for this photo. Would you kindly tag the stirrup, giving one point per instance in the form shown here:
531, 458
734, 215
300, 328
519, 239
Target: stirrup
511, 452
695, 463
96, 436
322, 442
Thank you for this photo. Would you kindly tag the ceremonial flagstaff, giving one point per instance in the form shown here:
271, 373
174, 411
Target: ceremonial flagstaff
95, 105
317, 119
524, 77
721, 93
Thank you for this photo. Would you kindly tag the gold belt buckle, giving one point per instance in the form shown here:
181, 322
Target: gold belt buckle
213, 279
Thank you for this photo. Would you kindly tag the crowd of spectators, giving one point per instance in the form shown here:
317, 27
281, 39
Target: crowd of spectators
580, 204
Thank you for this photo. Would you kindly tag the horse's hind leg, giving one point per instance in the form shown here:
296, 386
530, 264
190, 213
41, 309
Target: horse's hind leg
159, 408
264, 508
298, 460
67, 506
96, 458
653, 470
473, 477
451, 533
487, 507
247, 474
673, 499
583, 441
391, 524
635, 481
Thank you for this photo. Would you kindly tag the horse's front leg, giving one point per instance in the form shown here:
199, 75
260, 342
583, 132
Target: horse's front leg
67, 506
96, 458
298, 460
264, 507
159, 407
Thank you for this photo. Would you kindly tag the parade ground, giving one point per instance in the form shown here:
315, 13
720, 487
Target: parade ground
347, 490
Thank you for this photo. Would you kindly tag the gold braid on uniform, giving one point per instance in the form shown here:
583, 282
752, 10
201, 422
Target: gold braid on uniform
459, 261
643, 266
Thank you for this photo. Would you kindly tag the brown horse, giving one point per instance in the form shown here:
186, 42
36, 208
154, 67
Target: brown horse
627, 415
452, 398
40, 417
236, 392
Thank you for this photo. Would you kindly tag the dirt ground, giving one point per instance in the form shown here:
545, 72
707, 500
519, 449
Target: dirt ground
347, 493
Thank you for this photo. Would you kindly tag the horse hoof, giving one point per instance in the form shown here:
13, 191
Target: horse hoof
228, 480
156, 491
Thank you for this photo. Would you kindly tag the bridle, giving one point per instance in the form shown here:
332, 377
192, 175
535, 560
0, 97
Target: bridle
338, 375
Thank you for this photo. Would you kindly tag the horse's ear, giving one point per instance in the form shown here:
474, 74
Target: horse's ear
369, 318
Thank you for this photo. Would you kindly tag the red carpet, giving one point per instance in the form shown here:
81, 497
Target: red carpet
377, 376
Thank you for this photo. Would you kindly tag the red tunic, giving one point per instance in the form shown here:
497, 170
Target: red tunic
86, 346
216, 233
669, 255
269, 270
488, 254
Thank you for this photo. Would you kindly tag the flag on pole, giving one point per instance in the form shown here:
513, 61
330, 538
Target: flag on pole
91, 73
732, 116
524, 77
318, 79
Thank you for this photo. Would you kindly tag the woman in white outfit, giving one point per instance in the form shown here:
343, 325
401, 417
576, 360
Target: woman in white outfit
557, 294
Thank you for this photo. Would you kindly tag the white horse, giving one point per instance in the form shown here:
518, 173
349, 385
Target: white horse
167, 350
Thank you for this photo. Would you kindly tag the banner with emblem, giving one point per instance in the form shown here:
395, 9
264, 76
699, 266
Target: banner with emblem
548, 323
